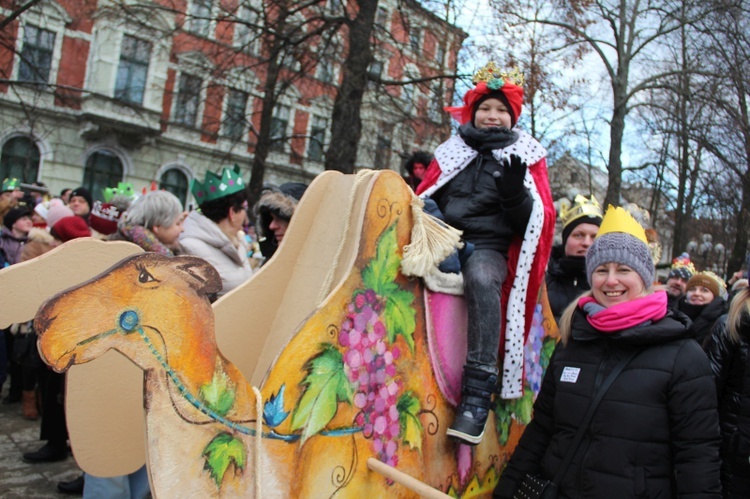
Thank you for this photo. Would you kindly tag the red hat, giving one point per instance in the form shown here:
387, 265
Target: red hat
488, 80
68, 228
104, 217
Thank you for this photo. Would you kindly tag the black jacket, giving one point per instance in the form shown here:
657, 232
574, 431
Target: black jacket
566, 280
703, 316
655, 433
730, 363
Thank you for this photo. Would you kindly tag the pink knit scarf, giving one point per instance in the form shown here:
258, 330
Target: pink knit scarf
652, 307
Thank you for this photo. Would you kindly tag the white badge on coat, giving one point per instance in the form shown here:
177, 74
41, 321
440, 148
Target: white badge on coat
570, 374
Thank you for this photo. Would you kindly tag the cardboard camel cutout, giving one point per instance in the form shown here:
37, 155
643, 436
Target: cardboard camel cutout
352, 361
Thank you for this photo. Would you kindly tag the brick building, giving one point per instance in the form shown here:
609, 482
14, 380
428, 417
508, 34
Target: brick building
97, 92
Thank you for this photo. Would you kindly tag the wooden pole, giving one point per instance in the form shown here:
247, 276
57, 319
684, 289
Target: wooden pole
407, 481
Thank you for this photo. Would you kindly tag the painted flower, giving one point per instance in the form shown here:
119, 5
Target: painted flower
273, 409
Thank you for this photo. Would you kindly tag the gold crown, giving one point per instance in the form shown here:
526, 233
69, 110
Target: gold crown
492, 74
583, 207
616, 219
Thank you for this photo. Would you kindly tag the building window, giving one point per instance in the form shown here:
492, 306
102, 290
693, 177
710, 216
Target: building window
200, 17
414, 39
234, 117
383, 152
248, 27
36, 54
374, 72
381, 18
279, 124
20, 159
435, 108
317, 138
440, 54
176, 182
133, 69
325, 69
188, 99
103, 169
334, 7
408, 95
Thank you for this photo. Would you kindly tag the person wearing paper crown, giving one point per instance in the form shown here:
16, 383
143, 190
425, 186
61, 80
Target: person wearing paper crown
490, 181
655, 430
213, 233
566, 271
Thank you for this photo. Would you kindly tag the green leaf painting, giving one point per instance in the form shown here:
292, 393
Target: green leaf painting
547, 349
219, 394
523, 407
326, 386
408, 415
400, 317
503, 420
381, 272
223, 451
380, 276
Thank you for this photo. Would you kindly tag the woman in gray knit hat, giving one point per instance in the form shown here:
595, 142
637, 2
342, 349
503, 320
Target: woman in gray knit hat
654, 431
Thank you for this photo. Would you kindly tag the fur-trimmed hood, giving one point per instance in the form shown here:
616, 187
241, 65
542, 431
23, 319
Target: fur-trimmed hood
281, 202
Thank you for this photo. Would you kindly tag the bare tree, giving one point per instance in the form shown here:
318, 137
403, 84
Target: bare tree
626, 37
724, 89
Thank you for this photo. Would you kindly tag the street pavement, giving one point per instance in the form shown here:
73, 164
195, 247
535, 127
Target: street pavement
23, 480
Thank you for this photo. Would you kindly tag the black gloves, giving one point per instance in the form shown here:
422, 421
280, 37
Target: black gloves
509, 179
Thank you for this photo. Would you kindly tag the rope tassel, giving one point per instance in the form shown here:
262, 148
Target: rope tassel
432, 241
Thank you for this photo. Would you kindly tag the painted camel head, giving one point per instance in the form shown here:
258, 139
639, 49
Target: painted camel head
128, 307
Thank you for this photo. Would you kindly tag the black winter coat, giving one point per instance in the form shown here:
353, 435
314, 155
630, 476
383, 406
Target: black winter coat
655, 433
703, 316
730, 363
470, 202
566, 280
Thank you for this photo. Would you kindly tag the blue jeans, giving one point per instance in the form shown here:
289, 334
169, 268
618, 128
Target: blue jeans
132, 486
484, 273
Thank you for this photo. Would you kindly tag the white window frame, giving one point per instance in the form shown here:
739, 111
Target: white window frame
49, 16
242, 34
191, 20
225, 114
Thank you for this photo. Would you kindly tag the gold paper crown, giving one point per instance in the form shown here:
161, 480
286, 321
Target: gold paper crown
491, 74
616, 219
583, 207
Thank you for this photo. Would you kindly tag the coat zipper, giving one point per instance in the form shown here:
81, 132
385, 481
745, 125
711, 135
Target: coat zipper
597, 382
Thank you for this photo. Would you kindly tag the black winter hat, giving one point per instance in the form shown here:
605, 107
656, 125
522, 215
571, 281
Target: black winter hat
14, 215
85, 194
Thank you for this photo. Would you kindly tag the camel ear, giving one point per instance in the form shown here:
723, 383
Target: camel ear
200, 274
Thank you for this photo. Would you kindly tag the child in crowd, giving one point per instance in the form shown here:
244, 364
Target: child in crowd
490, 181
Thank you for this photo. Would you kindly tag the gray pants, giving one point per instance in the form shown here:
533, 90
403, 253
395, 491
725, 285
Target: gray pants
484, 273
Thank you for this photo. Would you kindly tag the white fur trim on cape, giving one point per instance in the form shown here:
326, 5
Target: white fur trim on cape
512, 376
442, 282
453, 156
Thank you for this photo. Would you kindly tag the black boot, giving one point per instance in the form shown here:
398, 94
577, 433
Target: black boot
72, 487
48, 453
476, 401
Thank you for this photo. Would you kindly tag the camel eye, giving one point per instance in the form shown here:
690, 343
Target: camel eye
144, 277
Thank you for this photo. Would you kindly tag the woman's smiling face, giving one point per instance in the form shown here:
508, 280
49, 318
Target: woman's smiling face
699, 295
613, 283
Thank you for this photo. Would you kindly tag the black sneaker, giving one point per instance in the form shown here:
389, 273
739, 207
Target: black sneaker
476, 400
72, 487
46, 454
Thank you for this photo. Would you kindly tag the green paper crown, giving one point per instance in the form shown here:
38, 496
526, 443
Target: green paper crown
122, 189
215, 187
11, 184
